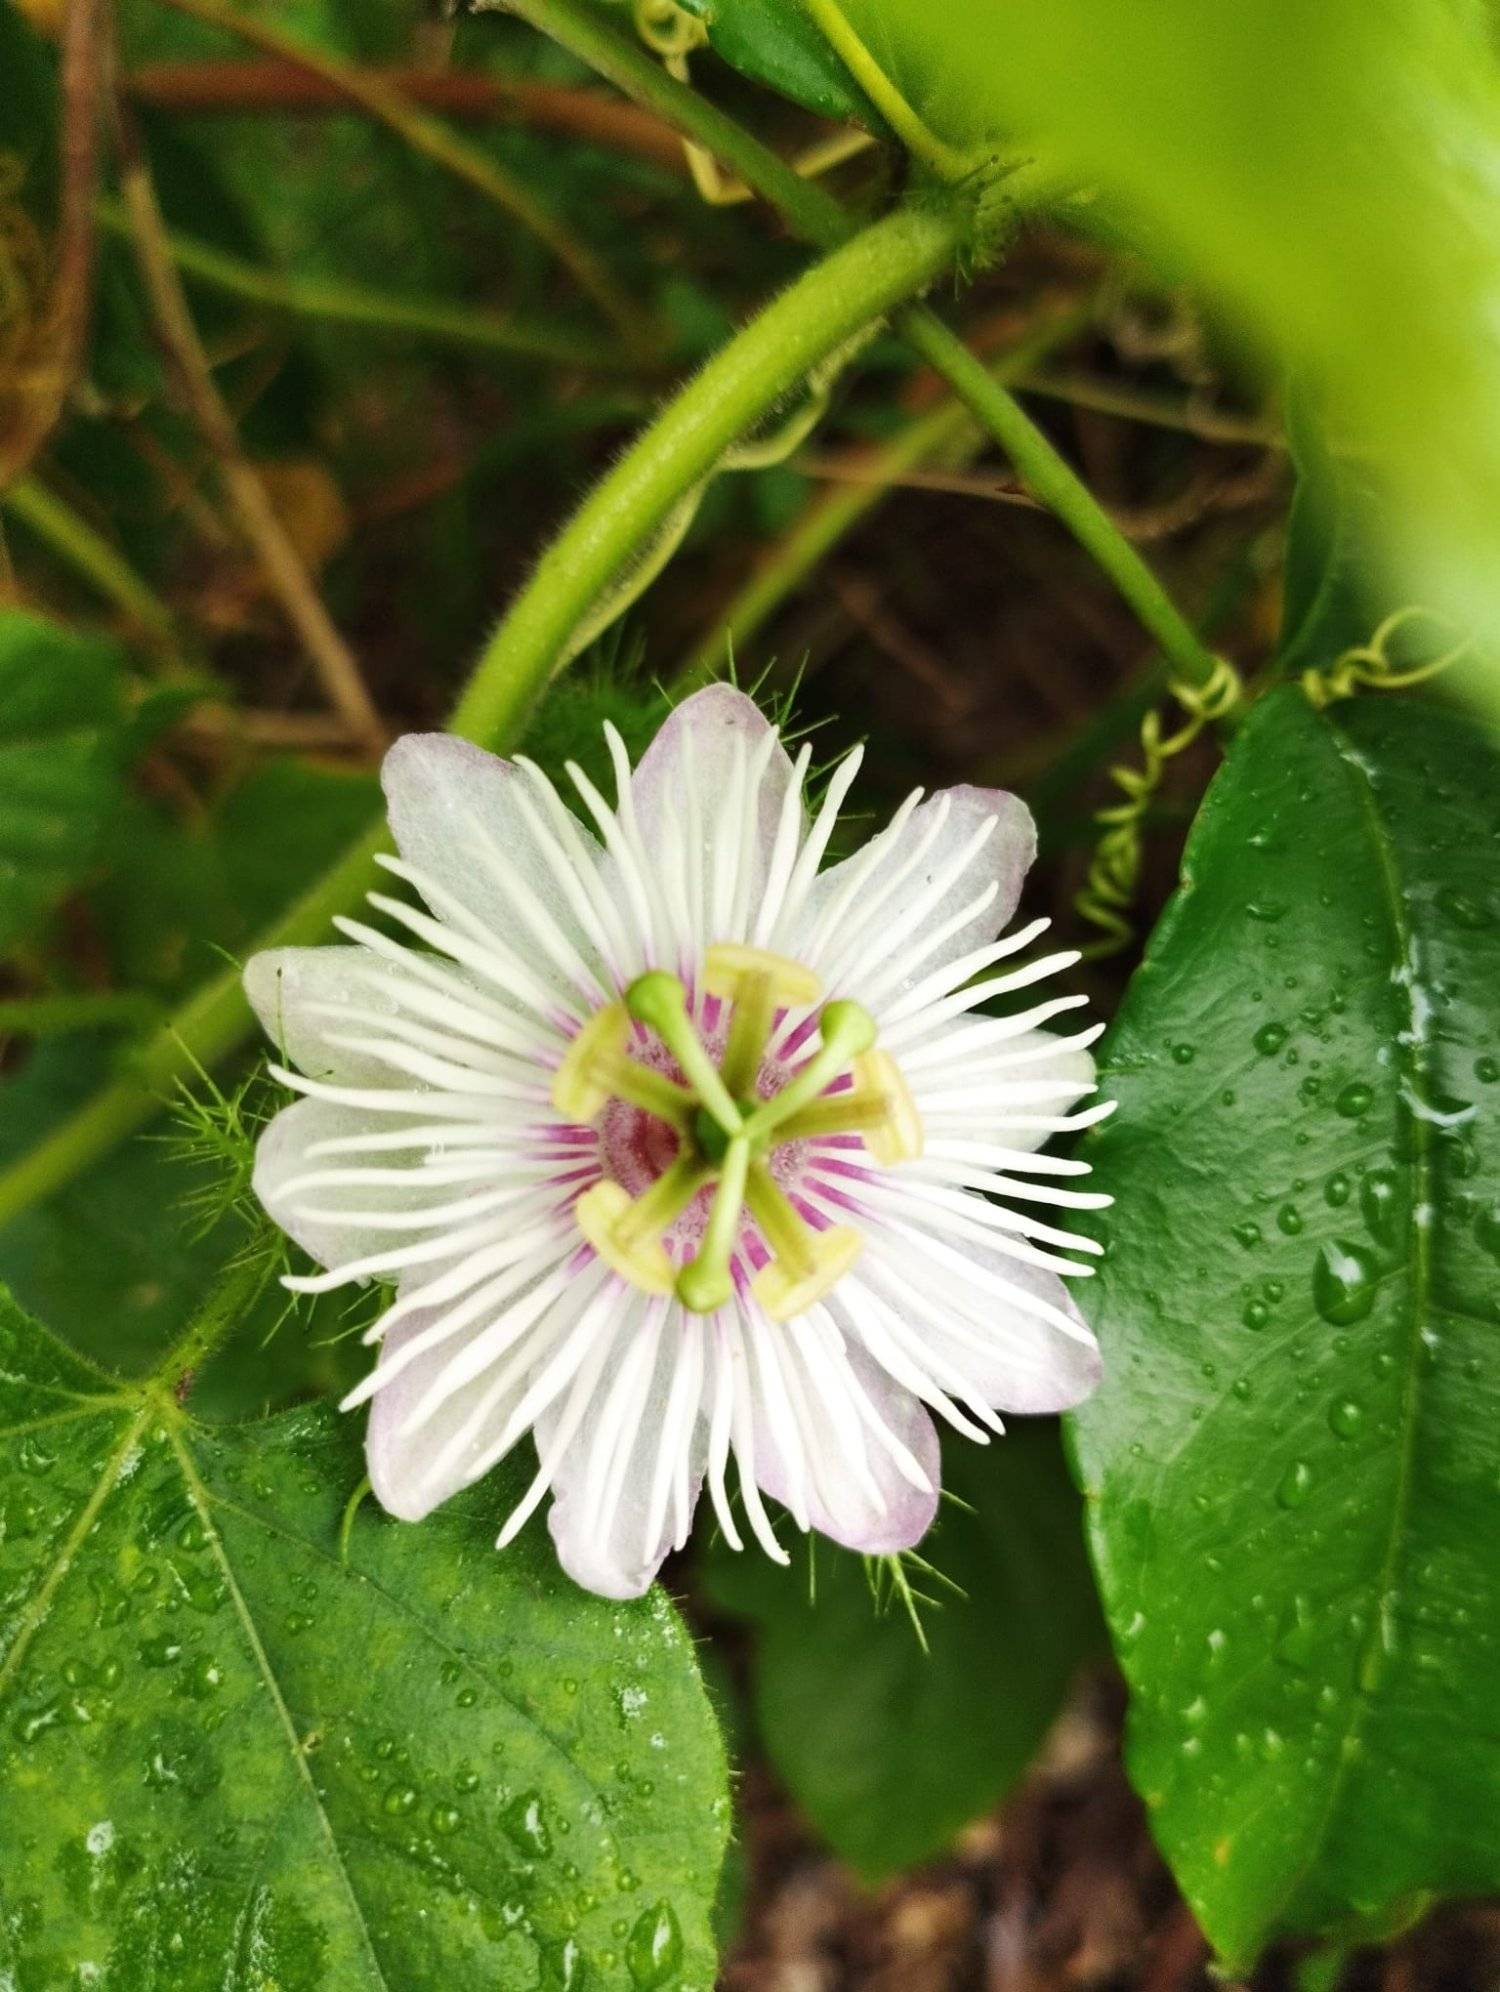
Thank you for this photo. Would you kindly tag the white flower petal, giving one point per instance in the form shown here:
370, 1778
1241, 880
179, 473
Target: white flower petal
936, 885
282, 1159
983, 1316
298, 993
400, 1462
821, 1458
461, 818
993, 1095
695, 806
606, 1516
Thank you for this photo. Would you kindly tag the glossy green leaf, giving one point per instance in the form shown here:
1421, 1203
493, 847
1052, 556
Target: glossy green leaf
890, 1750
1293, 1466
60, 724
777, 44
232, 1757
1325, 171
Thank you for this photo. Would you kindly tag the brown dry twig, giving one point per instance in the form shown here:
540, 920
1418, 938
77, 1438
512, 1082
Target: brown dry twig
210, 88
286, 575
48, 362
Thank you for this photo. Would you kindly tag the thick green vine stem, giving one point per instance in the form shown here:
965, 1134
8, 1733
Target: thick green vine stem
860, 283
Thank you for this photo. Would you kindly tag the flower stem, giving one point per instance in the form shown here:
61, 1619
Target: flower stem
229, 1300
822, 310
586, 30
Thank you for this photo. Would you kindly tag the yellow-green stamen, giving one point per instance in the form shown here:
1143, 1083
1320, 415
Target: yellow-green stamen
657, 1000
854, 1112
847, 1030
705, 1282
758, 983
724, 1132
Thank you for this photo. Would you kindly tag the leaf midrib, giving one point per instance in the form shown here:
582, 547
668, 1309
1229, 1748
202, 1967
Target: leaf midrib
203, 1504
34, 1612
1409, 1065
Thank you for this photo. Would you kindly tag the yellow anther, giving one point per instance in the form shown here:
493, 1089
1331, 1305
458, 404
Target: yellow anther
758, 983
641, 1261
897, 1136
783, 1290
727, 963
579, 1089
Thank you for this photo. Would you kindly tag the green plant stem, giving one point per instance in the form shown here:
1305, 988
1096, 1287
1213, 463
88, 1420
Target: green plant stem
342, 303
432, 138
91, 556
229, 1301
846, 42
946, 433
824, 309
815, 316
53, 1016
1052, 480
813, 212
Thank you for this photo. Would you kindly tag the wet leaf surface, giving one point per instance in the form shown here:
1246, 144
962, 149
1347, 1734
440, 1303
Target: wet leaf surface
1293, 1467
232, 1759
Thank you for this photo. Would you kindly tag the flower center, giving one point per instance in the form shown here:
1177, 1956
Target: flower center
724, 1130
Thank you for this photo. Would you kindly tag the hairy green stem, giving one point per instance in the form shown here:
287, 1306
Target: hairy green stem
229, 1300
342, 303
820, 312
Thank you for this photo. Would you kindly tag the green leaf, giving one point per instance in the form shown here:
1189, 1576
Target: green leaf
890, 1750
60, 724
779, 45
232, 1757
1293, 1466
